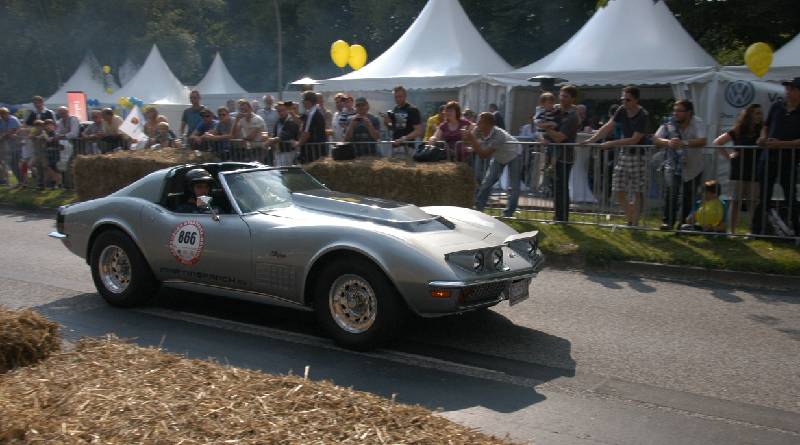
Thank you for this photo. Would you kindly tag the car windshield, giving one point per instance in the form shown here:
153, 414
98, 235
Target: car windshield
257, 190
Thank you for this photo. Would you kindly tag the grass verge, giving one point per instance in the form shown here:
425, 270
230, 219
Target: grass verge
600, 245
32, 198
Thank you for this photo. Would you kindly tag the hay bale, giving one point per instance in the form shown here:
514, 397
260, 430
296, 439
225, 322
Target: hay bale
107, 391
99, 175
25, 338
428, 183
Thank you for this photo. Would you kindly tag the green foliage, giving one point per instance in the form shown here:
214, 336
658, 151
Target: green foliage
45, 40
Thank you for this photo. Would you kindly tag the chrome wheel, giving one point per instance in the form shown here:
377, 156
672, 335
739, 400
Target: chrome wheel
114, 268
353, 304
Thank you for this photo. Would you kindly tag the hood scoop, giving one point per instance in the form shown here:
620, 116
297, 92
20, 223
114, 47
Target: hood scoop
402, 216
361, 207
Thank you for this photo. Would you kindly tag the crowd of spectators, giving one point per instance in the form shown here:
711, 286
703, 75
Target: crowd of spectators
37, 149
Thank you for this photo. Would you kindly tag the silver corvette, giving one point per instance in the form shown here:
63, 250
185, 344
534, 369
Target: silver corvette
280, 236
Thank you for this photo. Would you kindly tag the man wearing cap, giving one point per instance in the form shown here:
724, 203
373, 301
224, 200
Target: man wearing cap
207, 123
363, 127
781, 137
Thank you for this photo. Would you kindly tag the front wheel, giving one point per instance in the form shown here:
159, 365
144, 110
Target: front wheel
120, 272
357, 304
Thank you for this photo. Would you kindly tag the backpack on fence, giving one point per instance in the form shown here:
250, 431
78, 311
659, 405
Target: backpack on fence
343, 151
430, 153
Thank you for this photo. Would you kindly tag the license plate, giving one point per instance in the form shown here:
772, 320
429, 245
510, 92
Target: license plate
518, 291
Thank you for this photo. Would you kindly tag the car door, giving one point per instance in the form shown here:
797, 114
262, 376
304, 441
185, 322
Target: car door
199, 248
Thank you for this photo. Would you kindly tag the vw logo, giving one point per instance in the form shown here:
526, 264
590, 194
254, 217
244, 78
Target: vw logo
740, 93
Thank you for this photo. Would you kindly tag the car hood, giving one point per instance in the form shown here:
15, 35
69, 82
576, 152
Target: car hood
393, 218
360, 207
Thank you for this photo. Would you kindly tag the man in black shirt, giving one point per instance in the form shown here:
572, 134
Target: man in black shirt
781, 136
313, 138
287, 133
39, 113
564, 133
630, 167
404, 120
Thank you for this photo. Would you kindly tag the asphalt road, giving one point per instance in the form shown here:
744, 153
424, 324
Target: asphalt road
590, 358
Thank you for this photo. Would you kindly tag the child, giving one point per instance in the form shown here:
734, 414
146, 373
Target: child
546, 115
710, 215
164, 137
52, 176
32, 137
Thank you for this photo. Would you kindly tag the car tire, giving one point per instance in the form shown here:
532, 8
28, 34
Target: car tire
369, 315
120, 272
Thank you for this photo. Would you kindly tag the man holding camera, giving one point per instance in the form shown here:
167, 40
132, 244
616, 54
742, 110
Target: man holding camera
363, 127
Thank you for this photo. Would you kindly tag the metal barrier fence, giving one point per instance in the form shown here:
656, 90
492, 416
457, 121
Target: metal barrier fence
648, 187
643, 187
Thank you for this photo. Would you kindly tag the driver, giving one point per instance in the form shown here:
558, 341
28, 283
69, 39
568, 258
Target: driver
198, 183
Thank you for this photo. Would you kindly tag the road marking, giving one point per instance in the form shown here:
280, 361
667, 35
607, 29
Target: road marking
310, 340
586, 385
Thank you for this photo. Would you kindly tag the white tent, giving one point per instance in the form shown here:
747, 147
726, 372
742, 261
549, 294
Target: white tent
127, 71
789, 54
441, 49
627, 42
87, 78
218, 80
154, 83
785, 65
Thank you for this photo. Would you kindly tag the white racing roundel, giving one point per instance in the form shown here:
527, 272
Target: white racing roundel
187, 241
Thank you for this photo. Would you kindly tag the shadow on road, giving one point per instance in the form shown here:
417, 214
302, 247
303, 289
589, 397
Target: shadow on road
433, 384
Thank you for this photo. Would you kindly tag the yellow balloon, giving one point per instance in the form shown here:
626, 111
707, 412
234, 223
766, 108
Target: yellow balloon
758, 58
358, 57
109, 90
340, 53
106, 69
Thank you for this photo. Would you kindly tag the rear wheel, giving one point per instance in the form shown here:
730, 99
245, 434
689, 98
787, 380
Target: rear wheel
357, 304
120, 272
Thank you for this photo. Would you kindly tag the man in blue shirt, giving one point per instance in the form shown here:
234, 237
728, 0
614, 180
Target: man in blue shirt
191, 116
207, 123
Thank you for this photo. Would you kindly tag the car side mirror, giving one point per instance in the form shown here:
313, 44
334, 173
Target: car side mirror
205, 204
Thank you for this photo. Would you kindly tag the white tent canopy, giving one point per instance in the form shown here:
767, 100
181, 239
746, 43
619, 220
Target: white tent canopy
785, 65
127, 71
441, 49
87, 78
789, 54
218, 80
627, 42
154, 83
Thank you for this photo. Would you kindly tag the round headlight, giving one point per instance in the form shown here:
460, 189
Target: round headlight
477, 261
497, 259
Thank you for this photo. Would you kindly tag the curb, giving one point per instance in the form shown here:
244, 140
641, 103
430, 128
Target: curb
751, 280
